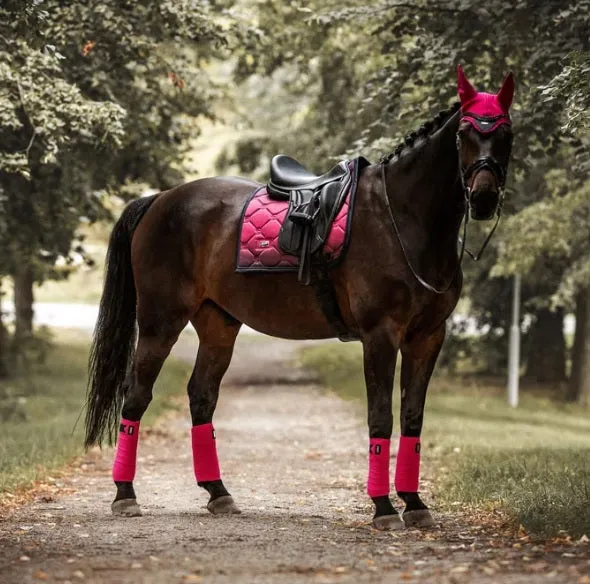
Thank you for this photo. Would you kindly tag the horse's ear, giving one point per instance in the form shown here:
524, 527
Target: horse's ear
464, 88
506, 92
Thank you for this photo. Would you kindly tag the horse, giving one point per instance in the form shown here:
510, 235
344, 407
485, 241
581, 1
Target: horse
170, 261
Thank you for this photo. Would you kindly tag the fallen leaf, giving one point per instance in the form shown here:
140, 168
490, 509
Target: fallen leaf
192, 578
88, 47
40, 575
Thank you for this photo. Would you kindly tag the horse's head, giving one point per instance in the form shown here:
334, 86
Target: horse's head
484, 141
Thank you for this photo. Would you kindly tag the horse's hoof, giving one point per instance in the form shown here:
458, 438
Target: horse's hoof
223, 505
126, 508
419, 518
388, 522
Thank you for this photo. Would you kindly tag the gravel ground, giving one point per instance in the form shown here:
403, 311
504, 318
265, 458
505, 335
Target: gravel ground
294, 458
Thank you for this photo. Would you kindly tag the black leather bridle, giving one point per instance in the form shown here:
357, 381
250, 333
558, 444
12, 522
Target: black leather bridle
484, 163
499, 172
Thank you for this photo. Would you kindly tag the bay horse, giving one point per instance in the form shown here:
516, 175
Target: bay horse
171, 261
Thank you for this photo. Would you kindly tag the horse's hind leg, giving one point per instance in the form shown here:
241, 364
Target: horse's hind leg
418, 359
158, 331
217, 332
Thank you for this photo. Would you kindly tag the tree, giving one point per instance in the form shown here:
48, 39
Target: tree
572, 86
43, 118
558, 228
102, 98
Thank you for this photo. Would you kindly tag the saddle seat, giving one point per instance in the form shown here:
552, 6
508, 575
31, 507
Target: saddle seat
287, 174
314, 202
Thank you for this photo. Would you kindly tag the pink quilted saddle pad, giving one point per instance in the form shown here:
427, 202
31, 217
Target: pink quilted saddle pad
258, 245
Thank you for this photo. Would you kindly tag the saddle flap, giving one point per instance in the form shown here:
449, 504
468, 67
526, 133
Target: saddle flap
329, 202
296, 222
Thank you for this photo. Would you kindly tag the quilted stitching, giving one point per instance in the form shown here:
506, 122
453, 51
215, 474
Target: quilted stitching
259, 234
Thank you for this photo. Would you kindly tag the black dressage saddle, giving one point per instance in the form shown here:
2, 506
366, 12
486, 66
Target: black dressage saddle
314, 202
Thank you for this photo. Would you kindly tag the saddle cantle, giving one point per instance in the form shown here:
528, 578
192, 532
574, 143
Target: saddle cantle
314, 202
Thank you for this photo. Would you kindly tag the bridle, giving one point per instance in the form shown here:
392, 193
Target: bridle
483, 125
467, 176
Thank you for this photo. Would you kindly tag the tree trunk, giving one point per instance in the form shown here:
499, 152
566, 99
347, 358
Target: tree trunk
23, 303
3, 367
579, 385
546, 348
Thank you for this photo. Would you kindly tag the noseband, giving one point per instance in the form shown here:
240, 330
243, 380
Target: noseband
485, 163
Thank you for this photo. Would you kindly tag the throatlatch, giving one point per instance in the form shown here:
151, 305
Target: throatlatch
126, 456
205, 461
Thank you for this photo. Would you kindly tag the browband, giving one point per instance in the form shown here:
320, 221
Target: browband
485, 124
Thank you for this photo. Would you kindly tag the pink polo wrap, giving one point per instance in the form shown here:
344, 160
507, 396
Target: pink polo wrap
407, 467
378, 481
126, 455
205, 461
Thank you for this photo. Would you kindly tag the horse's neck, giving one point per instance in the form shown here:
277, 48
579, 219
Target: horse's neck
424, 184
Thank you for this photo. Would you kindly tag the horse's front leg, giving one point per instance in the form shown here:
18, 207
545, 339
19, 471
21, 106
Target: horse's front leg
379, 357
418, 359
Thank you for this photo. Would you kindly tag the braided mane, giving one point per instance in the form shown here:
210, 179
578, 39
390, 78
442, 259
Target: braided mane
425, 130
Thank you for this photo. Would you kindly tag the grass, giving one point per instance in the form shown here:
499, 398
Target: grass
54, 394
534, 460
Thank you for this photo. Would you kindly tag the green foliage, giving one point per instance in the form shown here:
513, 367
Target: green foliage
572, 85
554, 230
532, 460
95, 96
40, 105
373, 71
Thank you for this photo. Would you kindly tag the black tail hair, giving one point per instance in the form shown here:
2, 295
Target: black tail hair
113, 345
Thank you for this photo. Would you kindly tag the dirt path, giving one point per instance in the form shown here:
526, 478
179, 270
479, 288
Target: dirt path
294, 459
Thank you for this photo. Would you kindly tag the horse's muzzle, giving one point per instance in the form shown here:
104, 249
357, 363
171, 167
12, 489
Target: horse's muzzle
483, 204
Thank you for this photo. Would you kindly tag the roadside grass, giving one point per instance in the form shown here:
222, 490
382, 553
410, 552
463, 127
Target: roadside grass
533, 461
53, 395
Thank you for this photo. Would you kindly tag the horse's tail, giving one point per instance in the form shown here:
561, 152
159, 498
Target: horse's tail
113, 345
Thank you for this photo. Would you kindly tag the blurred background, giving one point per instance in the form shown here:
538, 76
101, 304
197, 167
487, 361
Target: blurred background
104, 101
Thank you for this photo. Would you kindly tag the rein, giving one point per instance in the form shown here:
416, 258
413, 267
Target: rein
491, 164
474, 168
422, 281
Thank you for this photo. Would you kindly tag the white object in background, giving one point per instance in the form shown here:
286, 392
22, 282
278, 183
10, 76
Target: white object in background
514, 348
